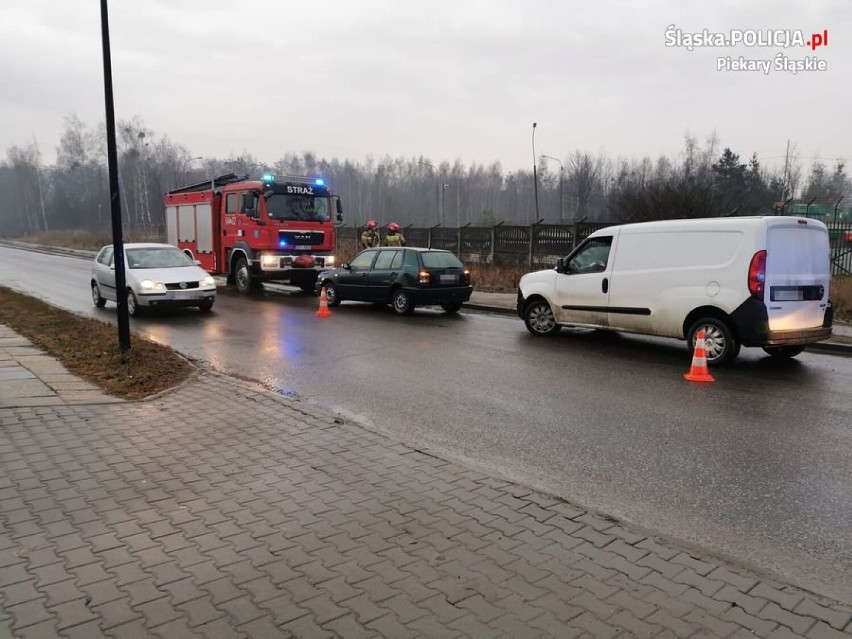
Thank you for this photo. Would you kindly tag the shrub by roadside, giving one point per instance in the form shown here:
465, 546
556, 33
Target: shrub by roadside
841, 298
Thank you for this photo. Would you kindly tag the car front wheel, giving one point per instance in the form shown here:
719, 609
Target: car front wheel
539, 318
206, 306
132, 306
720, 345
331, 296
401, 302
99, 301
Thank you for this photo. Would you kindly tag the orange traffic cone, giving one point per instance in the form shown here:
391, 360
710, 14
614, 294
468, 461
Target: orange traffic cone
699, 371
323, 307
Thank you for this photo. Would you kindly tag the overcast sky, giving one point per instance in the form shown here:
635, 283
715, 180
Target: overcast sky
444, 79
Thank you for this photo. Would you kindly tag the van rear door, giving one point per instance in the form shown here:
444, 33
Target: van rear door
798, 273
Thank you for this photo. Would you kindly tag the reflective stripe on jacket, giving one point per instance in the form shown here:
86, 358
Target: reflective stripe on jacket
394, 239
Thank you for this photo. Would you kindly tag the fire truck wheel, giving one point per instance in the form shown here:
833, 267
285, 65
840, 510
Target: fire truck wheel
242, 277
307, 287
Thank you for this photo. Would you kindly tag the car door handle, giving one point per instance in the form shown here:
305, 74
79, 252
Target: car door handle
605, 285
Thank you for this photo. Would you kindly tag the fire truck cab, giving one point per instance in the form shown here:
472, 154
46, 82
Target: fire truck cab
270, 229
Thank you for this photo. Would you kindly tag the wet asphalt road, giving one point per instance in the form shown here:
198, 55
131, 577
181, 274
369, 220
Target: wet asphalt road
757, 466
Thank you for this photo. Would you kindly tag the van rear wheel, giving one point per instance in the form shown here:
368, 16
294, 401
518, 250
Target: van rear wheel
783, 352
720, 344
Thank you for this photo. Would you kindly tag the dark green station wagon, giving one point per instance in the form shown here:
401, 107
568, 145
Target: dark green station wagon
404, 277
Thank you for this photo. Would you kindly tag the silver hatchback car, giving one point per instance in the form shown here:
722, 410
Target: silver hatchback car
158, 275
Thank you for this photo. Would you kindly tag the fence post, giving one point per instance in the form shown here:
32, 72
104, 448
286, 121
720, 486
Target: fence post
576, 234
532, 240
494, 240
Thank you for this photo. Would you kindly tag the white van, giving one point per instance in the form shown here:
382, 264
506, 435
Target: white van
748, 281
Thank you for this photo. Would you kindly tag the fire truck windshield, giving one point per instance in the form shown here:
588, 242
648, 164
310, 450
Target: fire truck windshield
298, 207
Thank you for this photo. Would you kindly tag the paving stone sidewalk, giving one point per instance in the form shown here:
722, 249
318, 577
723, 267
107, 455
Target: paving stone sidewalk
223, 510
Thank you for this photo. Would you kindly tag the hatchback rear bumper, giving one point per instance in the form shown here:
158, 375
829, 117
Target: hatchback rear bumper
441, 295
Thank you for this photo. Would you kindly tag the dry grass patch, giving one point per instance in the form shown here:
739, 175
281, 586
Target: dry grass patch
841, 298
89, 348
86, 240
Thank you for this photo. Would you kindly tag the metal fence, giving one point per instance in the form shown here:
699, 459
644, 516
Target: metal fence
535, 246
540, 245
840, 240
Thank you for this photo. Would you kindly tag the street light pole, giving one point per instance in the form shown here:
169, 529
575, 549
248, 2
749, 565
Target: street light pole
115, 201
186, 163
444, 188
535, 172
561, 173
437, 191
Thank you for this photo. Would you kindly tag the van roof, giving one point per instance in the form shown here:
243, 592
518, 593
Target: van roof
712, 222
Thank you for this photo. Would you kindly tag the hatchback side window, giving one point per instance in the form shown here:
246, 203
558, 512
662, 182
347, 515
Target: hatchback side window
592, 258
362, 261
397, 260
105, 257
383, 261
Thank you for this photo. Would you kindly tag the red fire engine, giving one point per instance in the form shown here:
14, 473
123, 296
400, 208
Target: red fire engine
274, 228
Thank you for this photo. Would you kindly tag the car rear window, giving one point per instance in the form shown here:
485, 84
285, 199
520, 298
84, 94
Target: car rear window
440, 259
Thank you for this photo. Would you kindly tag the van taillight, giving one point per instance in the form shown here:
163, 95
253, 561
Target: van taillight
757, 274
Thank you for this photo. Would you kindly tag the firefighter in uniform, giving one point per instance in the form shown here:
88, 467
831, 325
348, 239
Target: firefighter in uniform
370, 237
394, 237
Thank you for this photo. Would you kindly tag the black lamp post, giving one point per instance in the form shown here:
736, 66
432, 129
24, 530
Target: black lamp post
535, 172
115, 201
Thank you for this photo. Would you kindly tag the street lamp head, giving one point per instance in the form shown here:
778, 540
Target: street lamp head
535, 124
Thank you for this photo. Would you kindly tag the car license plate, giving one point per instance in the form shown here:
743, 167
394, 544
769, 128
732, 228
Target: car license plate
788, 296
185, 295
449, 279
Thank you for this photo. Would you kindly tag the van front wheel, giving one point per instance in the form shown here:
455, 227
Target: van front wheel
783, 352
720, 345
539, 318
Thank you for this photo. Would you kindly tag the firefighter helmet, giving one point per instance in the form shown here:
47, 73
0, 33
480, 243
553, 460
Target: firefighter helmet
393, 226
372, 224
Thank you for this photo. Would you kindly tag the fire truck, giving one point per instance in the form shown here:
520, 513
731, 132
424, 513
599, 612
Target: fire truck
268, 229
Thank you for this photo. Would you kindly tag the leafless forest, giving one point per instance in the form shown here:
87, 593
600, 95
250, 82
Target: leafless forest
706, 178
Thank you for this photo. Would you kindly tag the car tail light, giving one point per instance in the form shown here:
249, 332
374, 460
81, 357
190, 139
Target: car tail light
757, 274
423, 278
466, 276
